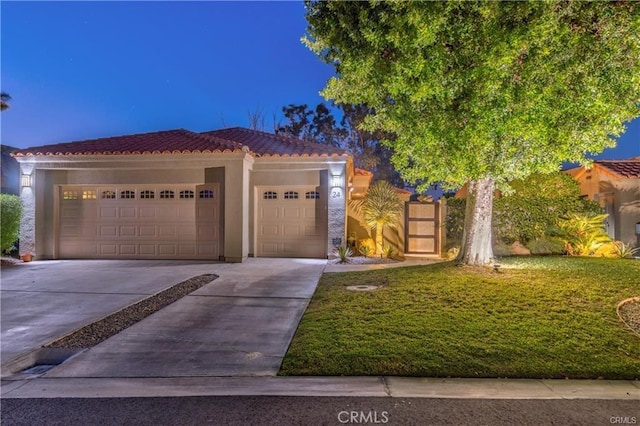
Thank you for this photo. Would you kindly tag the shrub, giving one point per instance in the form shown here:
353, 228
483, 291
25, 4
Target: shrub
343, 253
583, 235
366, 251
388, 252
616, 249
10, 214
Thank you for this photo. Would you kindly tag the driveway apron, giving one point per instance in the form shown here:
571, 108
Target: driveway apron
240, 324
44, 300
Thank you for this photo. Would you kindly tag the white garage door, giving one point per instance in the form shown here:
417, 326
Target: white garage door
291, 222
139, 222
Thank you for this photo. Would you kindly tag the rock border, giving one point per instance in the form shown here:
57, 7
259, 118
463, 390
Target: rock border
100, 330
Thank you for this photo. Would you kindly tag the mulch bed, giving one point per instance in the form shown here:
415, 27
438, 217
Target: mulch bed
629, 312
99, 331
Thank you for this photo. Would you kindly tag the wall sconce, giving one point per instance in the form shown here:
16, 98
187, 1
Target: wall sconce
337, 181
25, 181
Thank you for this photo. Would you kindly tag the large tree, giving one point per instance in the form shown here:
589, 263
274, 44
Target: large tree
484, 92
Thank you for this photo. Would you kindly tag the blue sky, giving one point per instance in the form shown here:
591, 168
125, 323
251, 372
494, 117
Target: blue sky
81, 70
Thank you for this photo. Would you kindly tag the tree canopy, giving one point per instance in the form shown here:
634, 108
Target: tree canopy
484, 90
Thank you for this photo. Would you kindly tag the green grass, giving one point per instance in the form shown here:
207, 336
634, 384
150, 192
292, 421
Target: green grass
539, 317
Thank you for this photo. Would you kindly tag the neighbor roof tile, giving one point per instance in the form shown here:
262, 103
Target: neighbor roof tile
629, 168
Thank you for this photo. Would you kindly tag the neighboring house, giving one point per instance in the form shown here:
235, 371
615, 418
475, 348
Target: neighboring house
615, 184
419, 231
9, 172
220, 195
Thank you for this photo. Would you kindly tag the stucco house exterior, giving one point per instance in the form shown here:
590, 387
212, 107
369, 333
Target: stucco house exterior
615, 184
219, 195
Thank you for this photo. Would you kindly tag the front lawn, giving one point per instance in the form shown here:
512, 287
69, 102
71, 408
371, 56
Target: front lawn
538, 317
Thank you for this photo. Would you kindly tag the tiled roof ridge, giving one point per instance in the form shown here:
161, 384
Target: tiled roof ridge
137, 143
282, 137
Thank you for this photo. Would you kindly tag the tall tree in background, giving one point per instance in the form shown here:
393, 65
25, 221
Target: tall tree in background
484, 92
4, 101
320, 126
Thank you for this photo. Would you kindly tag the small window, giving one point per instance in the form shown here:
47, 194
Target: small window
291, 195
187, 194
108, 195
206, 193
312, 195
147, 194
167, 194
69, 195
270, 195
89, 195
127, 195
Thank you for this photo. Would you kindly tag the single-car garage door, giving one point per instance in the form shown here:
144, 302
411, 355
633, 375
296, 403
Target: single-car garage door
139, 222
291, 221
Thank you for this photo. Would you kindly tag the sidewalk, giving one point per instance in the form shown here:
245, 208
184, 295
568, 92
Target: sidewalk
399, 387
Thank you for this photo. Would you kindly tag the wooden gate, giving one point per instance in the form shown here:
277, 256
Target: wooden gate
422, 227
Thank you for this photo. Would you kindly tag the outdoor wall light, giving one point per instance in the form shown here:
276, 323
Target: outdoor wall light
25, 181
337, 181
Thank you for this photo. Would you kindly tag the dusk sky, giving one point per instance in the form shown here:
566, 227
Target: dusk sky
82, 70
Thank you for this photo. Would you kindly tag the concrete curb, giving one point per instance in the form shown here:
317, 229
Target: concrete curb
395, 387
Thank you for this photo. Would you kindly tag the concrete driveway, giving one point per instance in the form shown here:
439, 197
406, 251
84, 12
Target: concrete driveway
240, 324
41, 301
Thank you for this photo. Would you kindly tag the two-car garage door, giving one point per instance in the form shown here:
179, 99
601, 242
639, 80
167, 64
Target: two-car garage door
291, 221
139, 222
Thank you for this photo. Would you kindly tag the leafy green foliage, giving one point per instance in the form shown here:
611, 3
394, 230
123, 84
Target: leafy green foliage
530, 213
536, 205
388, 252
344, 253
539, 317
474, 90
365, 250
582, 234
10, 214
617, 250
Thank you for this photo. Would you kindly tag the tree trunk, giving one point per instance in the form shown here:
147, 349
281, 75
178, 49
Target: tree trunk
476, 238
379, 229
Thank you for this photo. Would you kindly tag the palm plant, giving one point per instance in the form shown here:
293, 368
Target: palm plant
4, 101
583, 235
380, 207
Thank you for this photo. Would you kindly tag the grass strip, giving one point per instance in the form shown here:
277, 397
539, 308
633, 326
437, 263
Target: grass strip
99, 331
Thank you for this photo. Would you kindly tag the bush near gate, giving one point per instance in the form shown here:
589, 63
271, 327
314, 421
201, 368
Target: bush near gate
10, 214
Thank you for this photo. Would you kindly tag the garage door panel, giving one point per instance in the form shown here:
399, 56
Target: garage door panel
127, 213
108, 213
108, 231
291, 231
147, 212
113, 227
292, 213
270, 213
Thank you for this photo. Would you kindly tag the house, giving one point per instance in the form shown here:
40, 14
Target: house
615, 184
219, 195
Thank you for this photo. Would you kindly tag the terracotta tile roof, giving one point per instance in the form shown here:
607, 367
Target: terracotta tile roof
629, 168
270, 145
162, 142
